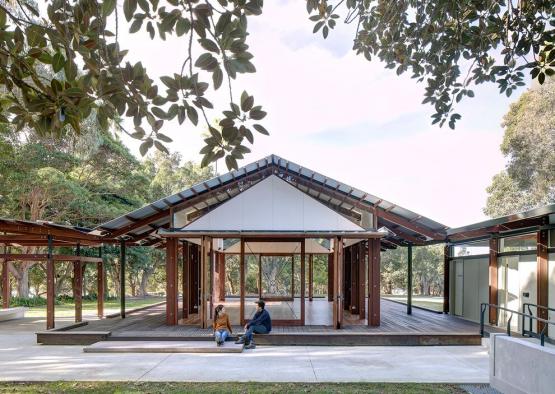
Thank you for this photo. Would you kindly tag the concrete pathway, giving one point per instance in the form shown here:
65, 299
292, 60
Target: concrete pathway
21, 359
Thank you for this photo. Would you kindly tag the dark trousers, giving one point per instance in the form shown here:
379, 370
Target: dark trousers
256, 329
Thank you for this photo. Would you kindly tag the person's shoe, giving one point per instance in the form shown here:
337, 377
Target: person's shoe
251, 345
240, 340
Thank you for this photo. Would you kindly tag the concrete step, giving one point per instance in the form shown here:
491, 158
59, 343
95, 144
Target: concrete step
162, 347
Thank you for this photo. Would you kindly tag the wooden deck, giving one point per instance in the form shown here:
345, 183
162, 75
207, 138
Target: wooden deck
397, 328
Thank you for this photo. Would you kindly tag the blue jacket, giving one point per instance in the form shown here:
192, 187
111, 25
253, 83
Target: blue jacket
262, 318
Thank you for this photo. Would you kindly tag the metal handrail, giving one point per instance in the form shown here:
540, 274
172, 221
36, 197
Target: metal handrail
485, 305
528, 305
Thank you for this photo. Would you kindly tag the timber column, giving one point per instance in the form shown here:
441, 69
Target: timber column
100, 284
122, 278
446, 277
409, 279
330, 277
374, 282
5, 283
337, 282
171, 281
186, 283
493, 279
50, 289
78, 287
542, 278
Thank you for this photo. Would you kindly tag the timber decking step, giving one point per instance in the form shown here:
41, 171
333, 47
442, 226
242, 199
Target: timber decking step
62, 337
162, 347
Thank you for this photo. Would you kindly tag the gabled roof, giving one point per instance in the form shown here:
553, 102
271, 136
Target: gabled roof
407, 226
272, 205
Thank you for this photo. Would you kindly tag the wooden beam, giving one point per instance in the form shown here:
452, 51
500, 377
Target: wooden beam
171, 282
50, 288
373, 282
446, 277
493, 279
542, 278
417, 228
44, 257
407, 237
46, 229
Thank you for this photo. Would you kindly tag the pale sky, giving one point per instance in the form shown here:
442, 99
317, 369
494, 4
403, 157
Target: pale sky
349, 119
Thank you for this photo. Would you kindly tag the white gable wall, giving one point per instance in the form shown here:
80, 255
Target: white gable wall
271, 205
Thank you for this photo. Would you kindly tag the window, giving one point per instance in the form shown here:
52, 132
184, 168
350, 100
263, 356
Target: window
471, 249
519, 243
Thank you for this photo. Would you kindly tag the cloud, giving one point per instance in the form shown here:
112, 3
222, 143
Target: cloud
351, 119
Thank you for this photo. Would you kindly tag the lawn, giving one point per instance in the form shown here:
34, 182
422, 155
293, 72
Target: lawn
429, 302
148, 387
89, 307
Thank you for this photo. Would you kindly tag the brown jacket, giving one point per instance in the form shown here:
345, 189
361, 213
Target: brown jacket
222, 322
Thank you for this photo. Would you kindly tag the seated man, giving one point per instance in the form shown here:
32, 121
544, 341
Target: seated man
261, 323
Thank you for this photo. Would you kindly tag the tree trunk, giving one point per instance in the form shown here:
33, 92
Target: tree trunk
23, 284
144, 282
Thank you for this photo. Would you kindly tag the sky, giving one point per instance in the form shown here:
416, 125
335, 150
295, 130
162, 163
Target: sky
349, 119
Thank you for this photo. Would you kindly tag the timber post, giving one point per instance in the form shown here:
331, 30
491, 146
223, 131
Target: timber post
171, 281
446, 277
100, 284
122, 278
5, 283
50, 287
542, 278
409, 279
373, 282
493, 279
78, 286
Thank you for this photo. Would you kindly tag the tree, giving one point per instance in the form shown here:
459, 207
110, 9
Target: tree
529, 145
90, 78
449, 44
169, 175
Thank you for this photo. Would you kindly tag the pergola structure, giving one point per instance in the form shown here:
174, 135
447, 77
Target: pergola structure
19, 233
536, 224
269, 208
194, 222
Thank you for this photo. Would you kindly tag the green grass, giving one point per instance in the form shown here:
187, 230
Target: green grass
89, 307
429, 302
148, 387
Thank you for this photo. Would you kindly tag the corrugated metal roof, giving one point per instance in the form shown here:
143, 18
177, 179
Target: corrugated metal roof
286, 168
546, 210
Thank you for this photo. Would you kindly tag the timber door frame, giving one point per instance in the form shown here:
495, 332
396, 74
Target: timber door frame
242, 278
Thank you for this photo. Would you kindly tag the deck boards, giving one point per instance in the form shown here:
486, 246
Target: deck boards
394, 320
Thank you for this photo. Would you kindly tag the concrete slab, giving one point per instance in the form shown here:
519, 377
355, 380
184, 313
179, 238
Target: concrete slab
21, 359
162, 347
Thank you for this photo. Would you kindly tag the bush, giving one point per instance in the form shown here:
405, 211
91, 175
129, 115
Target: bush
30, 302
